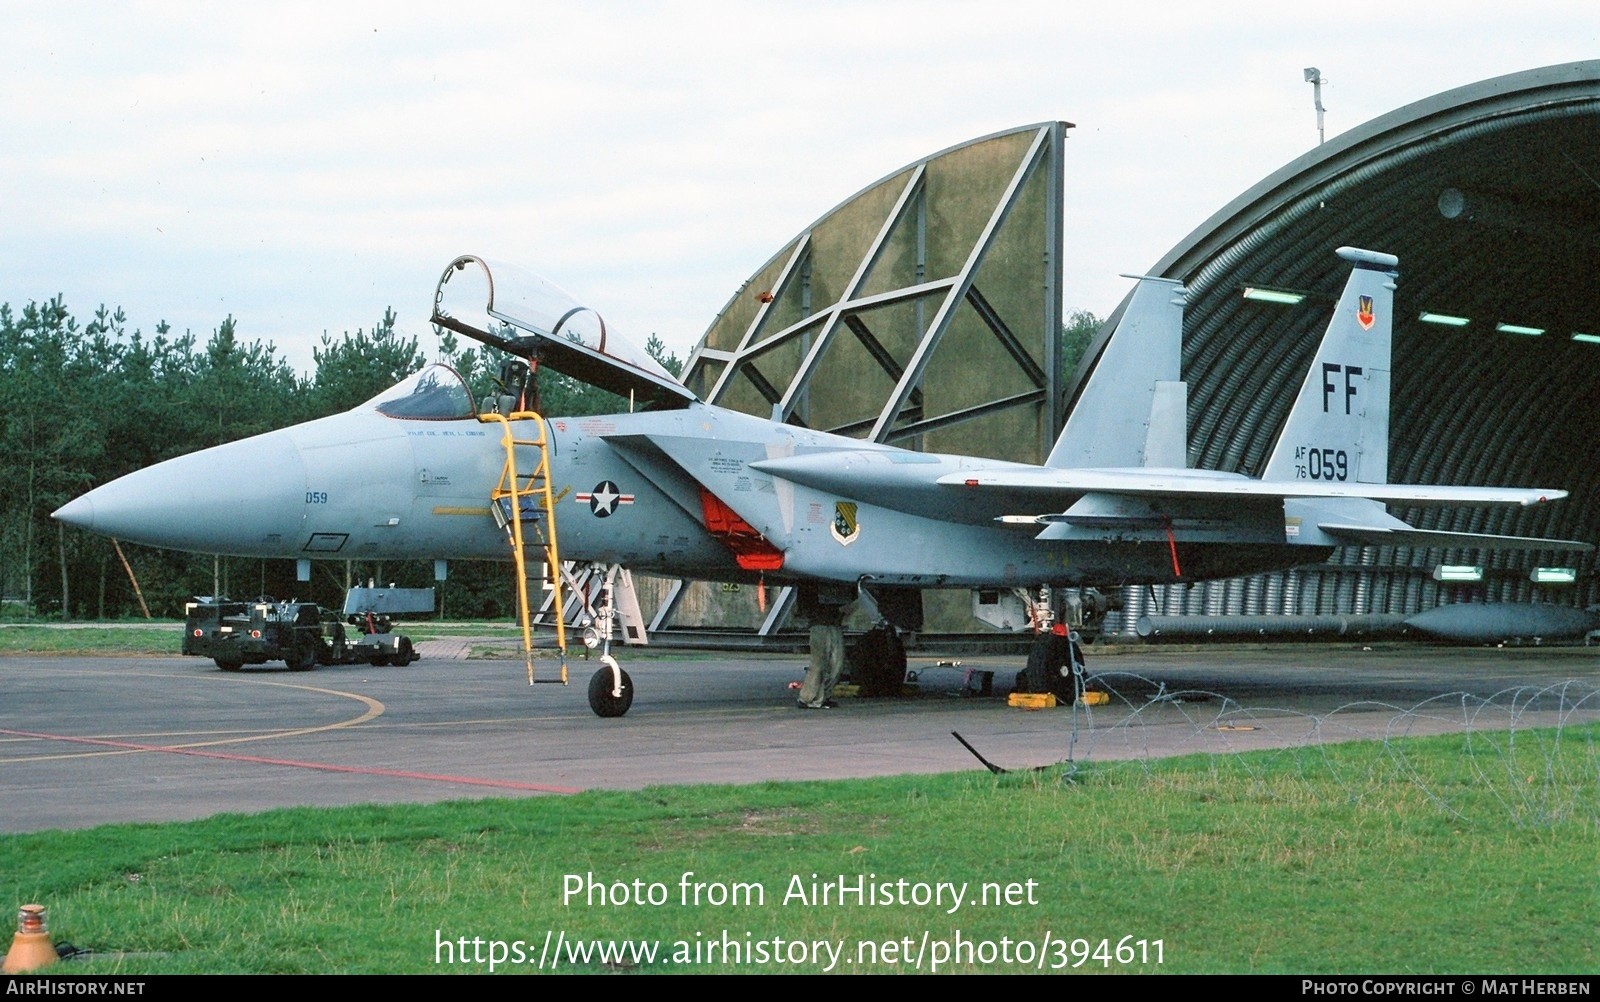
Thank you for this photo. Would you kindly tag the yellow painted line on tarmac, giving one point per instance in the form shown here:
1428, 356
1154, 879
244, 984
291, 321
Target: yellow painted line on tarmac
374, 709
153, 735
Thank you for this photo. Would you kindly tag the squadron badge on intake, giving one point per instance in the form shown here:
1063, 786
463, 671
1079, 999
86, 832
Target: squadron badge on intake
844, 527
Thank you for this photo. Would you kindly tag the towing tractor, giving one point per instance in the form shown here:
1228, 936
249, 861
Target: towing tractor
301, 634
235, 634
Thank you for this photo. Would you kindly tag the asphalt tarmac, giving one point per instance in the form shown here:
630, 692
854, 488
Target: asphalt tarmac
86, 741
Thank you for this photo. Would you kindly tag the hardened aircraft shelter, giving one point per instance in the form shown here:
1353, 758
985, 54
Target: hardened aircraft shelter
1490, 196
921, 312
925, 312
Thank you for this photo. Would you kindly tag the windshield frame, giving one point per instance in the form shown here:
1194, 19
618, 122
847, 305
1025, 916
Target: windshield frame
436, 388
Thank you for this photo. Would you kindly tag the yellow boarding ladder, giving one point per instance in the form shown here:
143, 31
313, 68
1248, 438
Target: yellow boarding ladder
507, 501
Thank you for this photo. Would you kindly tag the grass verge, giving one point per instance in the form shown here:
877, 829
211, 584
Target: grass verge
161, 640
1433, 855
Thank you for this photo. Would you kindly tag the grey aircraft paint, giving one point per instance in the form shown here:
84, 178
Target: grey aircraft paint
408, 474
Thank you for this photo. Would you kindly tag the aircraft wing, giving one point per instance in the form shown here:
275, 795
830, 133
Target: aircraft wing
1093, 496
1180, 483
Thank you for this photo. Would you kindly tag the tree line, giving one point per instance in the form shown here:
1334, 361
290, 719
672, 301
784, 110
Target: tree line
83, 403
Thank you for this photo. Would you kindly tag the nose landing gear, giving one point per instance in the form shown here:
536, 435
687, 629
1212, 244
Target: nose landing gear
610, 688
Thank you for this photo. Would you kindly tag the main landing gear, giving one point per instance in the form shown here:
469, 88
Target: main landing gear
878, 664
1061, 625
878, 659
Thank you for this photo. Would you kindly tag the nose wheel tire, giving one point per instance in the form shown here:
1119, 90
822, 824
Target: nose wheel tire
602, 693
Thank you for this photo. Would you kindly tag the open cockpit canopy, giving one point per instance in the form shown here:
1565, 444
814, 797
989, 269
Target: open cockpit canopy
533, 318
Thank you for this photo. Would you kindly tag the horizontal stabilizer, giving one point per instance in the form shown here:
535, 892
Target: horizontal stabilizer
1375, 536
1210, 484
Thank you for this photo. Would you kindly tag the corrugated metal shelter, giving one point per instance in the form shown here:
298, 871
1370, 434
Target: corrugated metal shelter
874, 321
1490, 196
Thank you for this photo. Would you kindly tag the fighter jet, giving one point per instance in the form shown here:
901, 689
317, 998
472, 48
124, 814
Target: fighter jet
683, 488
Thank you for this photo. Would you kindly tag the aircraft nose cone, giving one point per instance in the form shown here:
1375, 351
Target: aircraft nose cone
78, 512
245, 498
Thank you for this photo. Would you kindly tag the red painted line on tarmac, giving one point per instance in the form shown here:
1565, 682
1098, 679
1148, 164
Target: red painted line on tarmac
321, 766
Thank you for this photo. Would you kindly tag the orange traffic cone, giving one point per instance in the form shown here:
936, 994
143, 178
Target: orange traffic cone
31, 948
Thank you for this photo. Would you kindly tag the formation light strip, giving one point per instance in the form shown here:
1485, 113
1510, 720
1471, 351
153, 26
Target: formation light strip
1587, 338
1457, 572
1444, 318
1519, 329
1273, 295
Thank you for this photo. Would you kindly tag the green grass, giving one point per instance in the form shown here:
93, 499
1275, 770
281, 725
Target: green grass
435, 631
161, 640
1436, 855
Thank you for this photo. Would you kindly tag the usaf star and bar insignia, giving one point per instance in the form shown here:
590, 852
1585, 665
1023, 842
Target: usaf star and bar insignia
604, 499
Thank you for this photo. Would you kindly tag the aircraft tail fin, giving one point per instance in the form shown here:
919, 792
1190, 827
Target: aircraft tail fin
1134, 410
1338, 428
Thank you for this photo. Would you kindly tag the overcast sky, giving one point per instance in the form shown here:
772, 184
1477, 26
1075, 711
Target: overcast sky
302, 166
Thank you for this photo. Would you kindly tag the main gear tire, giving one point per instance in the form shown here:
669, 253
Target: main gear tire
1050, 667
879, 665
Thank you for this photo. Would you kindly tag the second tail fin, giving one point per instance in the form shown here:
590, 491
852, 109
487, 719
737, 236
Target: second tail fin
1134, 410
